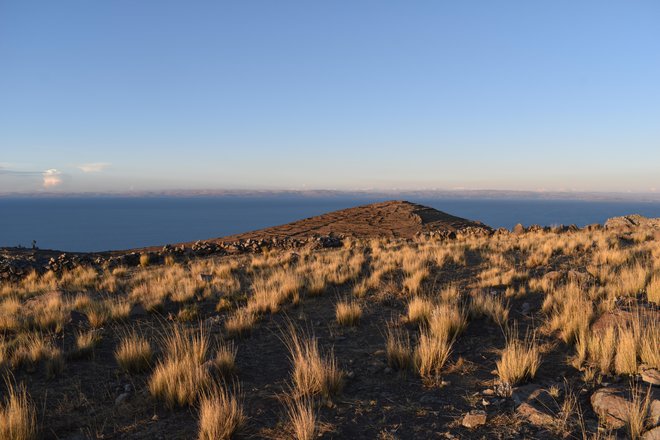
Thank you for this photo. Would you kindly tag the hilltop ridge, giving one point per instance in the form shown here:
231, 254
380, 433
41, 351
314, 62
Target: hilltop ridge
394, 218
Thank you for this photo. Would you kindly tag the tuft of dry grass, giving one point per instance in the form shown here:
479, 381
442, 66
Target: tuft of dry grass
17, 414
519, 360
447, 321
312, 373
419, 310
302, 417
485, 304
431, 354
241, 322
221, 414
637, 419
134, 353
348, 313
85, 344
398, 348
33, 348
653, 289
625, 359
225, 358
180, 376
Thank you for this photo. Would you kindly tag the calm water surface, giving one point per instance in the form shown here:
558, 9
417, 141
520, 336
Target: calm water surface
96, 224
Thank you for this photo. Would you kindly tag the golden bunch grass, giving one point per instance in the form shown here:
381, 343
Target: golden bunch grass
413, 282
348, 313
134, 353
225, 358
447, 321
398, 348
85, 343
312, 373
649, 344
33, 348
180, 376
485, 304
221, 414
625, 359
653, 289
302, 418
419, 310
519, 360
240, 322
431, 354
17, 414
637, 420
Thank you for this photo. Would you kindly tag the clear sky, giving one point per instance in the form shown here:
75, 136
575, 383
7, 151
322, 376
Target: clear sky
122, 94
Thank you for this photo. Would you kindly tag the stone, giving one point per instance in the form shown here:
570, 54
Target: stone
612, 405
122, 398
474, 419
535, 404
653, 434
650, 375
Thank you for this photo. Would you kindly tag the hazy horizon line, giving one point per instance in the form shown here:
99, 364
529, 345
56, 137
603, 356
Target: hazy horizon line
648, 196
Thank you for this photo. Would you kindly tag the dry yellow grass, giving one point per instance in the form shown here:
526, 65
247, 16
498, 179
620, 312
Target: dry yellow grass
134, 353
519, 360
413, 282
180, 377
221, 414
398, 348
485, 304
419, 310
85, 344
653, 289
625, 359
17, 414
447, 321
431, 354
33, 348
302, 418
240, 322
225, 358
348, 313
638, 417
312, 373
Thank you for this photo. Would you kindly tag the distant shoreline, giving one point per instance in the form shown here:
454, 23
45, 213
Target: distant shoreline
584, 196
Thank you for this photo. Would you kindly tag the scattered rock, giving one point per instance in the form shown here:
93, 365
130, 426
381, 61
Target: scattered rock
650, 375
653, 434
535, 404
612, 405
122, 398
474, 419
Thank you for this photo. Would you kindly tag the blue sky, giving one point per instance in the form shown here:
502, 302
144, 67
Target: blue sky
132, 95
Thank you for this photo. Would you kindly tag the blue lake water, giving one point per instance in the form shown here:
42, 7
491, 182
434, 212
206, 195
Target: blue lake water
106, 223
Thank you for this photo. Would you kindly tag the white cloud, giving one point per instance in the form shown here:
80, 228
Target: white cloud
95, 167
52, 177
